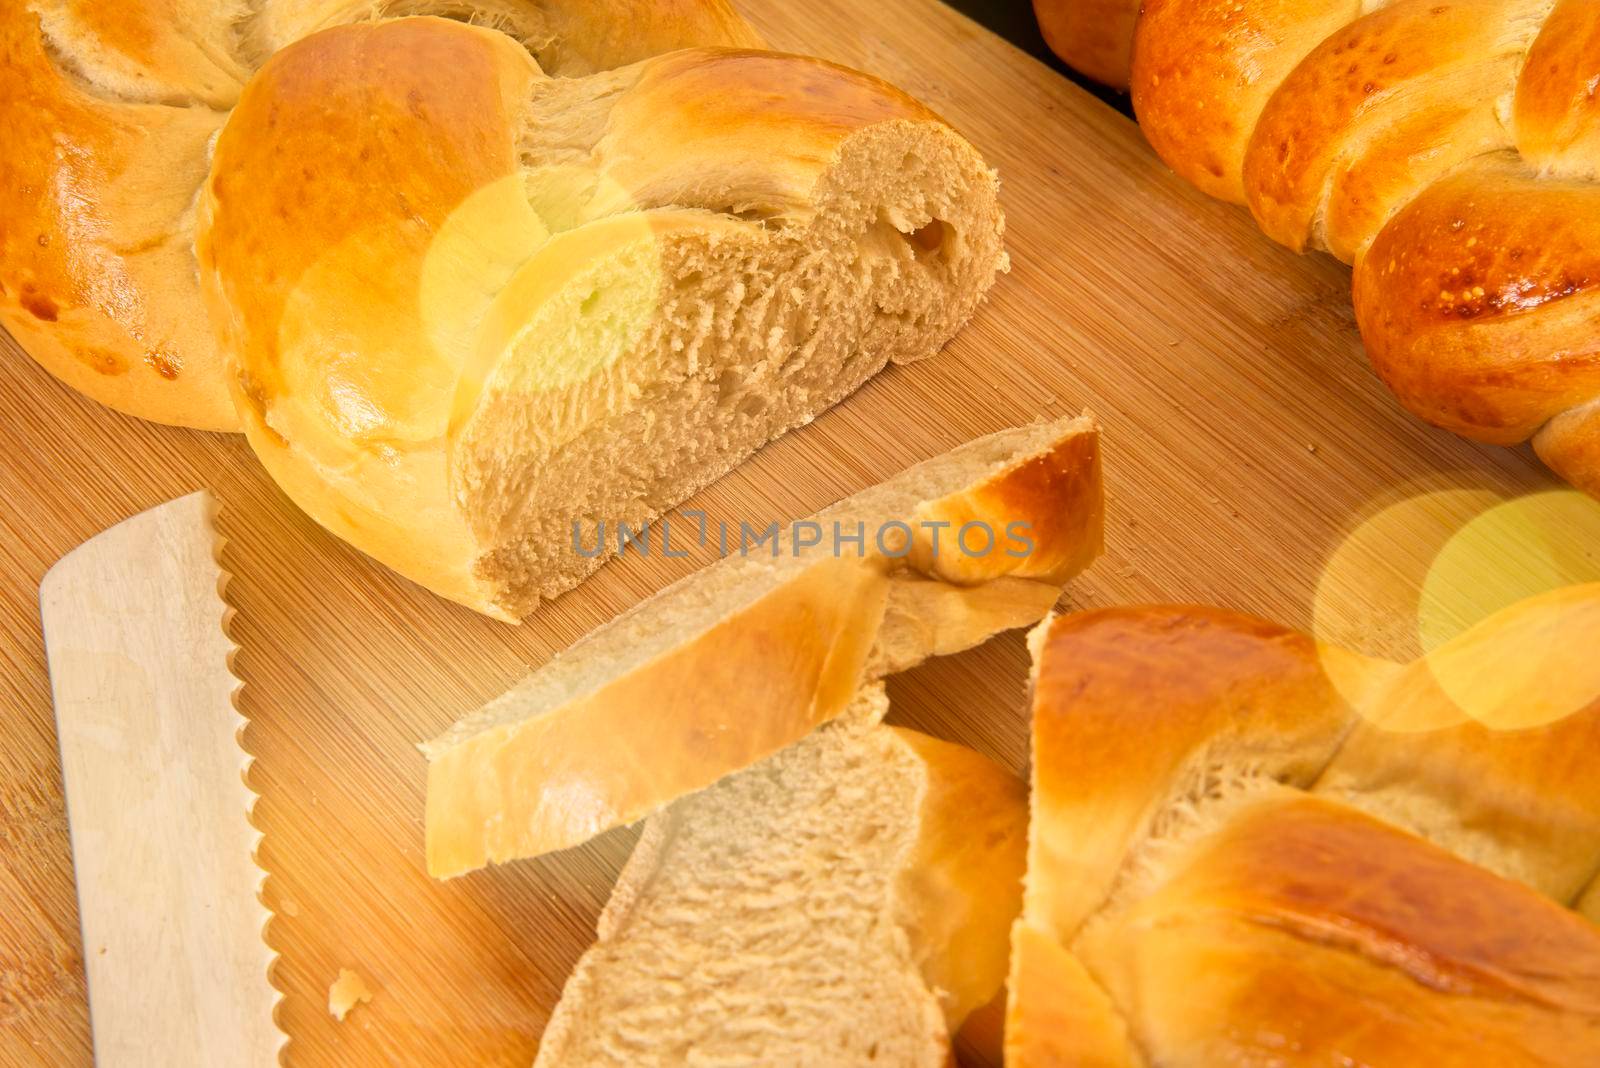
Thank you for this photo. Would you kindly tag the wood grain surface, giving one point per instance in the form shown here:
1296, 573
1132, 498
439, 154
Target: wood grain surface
1244, 438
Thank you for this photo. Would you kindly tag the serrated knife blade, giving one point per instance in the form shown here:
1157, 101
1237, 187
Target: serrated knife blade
159, 811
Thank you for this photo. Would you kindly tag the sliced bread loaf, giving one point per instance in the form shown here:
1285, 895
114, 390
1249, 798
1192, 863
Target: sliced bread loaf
842, 903
530, 301
753, 653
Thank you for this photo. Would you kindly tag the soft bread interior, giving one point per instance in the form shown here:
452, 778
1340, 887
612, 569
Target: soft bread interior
637, 357
616, 727
540, 304
695, 604
765, 921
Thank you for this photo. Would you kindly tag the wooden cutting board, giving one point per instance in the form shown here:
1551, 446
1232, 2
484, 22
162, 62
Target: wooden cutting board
1245, 440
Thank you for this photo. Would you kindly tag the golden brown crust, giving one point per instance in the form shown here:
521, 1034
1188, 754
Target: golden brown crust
761, 678
96, 267
960, 886
1506, 780
1132, 708
1557, 114
1059, 1017
342, 395
1304, 933
1091, 36
1570, 444
594, 35
383, 156
1378, 110
170, 51
1054, 504
1278, 903
1480, 301
1203, 71
1449, 149
767, 123
107, 111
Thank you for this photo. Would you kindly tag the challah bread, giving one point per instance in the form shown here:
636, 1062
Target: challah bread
1303, 932
1449, 150
1510, 348
529, 303
735, 662
1247, 847
109, 111
97, 277
844, 902
1092, 36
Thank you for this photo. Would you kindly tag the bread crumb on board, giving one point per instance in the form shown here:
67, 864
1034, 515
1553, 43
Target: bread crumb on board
347, 991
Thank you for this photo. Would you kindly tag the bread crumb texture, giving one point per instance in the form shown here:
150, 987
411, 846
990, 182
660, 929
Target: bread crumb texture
347, 991
756, 924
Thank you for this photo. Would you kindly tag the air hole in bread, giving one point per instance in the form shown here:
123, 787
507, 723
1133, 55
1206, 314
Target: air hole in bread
928, 239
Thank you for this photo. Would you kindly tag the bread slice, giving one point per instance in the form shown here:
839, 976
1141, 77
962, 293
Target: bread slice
532, 302
733, 663
842, 903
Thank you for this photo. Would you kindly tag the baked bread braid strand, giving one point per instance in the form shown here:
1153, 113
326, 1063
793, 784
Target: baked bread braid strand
1251, 848
1094, 37
1449, 150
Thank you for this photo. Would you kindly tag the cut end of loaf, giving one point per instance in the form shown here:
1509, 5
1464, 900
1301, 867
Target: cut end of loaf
536, 303
773, 919
679, 342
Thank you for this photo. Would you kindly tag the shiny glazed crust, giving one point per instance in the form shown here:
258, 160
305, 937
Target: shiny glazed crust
1305, 925
1449, 151
363, 233
108, 112
673, 726
1248, 847
1092, 36
96, 263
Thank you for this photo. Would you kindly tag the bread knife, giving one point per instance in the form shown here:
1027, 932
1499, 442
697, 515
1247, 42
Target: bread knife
158, 809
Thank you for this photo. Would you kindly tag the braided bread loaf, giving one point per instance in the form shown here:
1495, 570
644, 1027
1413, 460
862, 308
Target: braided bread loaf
474, 284
1249, 849
1449, 150
109, 111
